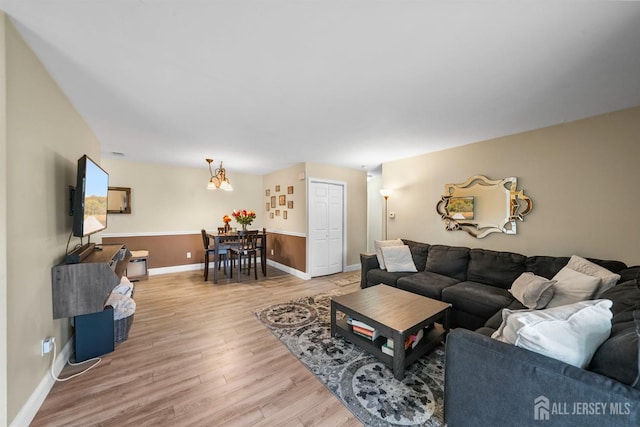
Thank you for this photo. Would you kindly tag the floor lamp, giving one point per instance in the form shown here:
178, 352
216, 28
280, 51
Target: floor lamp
385, 193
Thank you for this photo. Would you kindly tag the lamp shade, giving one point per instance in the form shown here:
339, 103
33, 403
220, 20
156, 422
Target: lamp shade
385, 192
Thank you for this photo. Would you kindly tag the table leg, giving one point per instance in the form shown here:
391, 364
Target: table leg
333, 319
398, 355
215, 268
446, 322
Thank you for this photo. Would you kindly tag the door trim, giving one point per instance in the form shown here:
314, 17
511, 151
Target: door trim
344, 218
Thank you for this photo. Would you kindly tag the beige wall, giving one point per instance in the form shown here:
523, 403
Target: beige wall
582, 177
3, 223
356, 205
167, 199
296, 221
45, 138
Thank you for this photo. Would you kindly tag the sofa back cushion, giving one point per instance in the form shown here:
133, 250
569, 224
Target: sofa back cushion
495, 268
419, 253
549, 266
619, 356
545, 266
448, 260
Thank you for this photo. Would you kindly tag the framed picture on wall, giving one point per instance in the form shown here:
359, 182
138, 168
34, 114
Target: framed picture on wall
284, 214
277, 188
277, 212
290, 204
267, 206
282, 200
273, 201
267, 192
271, 215
290, 189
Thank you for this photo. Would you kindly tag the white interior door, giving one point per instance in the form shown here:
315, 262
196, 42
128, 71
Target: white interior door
326, 228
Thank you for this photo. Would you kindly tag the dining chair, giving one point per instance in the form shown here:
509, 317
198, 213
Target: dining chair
260, 247
246, 247
210, 250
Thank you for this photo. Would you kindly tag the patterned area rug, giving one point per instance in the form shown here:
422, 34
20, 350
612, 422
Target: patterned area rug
364, 385
345, 279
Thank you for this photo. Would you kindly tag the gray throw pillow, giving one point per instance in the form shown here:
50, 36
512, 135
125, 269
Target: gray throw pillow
532, 291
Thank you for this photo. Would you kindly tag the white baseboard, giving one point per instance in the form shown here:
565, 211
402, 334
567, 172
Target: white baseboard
299, 274
200, 266
193, 267
34, 402
175, 269
352, 267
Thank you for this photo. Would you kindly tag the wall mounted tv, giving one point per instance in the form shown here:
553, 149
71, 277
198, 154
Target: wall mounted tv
90, 198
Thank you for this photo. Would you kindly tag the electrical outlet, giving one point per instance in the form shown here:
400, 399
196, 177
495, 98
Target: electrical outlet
188, 255
47, 345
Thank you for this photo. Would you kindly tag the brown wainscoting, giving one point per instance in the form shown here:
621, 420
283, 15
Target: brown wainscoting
165, 250
288, 250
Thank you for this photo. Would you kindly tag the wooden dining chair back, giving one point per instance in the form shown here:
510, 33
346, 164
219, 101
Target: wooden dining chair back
222, 253
261, 244
246, 248
208, 251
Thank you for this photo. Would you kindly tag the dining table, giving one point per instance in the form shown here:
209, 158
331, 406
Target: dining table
229, 239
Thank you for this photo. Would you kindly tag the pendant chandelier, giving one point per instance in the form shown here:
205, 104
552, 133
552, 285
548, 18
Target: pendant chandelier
218, 178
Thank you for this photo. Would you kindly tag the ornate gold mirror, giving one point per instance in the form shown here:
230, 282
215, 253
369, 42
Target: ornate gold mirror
481, 206
119, 200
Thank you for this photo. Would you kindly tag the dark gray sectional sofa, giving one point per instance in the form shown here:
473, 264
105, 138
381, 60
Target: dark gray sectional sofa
490, 383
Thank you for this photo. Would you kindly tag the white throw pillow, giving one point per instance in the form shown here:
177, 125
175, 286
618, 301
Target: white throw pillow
572, 286
570, 333
609, 279
532, 291
398, 258
379, 244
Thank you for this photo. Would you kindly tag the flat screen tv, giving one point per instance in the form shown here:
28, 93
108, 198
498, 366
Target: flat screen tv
90, 198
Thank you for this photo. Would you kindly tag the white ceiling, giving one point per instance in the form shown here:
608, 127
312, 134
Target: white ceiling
265, 84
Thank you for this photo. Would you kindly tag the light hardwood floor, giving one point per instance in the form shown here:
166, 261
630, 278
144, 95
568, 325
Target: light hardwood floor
197, 356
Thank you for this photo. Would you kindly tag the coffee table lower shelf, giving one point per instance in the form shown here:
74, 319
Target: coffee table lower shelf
433, 336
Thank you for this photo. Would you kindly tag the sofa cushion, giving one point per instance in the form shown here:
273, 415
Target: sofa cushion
426, 283
619, 356
377, 276
495, 268
625, 296
608, 278
495, 321
448, 260
398, 258
533, 291
545, 266
378, 244
571, 333
572, 286
630, 273
477, 298
419, 253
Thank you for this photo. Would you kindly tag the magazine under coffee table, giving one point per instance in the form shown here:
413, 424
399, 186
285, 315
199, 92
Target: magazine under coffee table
395, 314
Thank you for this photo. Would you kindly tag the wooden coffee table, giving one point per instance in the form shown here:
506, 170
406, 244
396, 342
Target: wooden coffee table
395, 314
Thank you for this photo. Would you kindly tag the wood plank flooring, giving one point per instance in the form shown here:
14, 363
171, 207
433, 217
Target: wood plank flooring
197, 356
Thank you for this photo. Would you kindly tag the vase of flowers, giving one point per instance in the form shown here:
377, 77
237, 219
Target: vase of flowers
226, 219
244, 217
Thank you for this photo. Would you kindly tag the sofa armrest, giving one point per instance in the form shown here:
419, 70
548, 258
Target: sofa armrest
367, 262
490, 383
